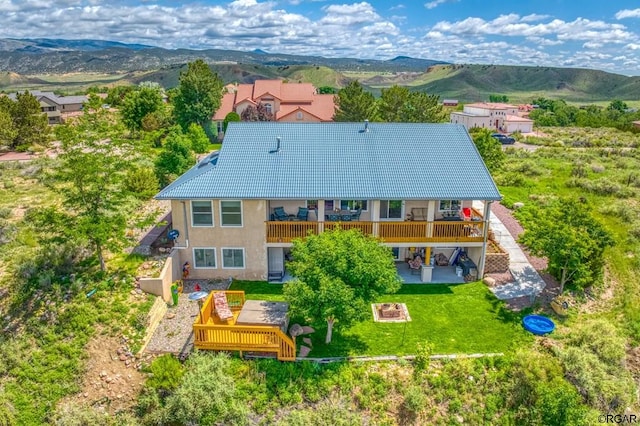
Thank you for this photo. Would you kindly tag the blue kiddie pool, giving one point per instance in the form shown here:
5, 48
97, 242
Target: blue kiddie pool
537, 324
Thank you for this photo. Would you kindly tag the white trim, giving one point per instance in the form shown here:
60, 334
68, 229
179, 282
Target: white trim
450, 209
341, 200
193, 225
244, 260
241, 214
392, 219
215, 258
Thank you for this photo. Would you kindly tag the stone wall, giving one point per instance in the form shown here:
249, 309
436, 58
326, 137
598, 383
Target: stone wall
496, 262
156, 314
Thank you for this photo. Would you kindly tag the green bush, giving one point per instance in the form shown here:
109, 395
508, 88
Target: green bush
166, 373
206, 395
142, 182
593, 360
80, 415
327, 413
414, 400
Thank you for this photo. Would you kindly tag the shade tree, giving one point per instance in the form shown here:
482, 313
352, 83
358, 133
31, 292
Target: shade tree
338, 274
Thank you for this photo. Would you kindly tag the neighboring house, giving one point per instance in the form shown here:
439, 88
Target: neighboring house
492, 115
56, 107
636, 124
450, 102
408, 183
296, 102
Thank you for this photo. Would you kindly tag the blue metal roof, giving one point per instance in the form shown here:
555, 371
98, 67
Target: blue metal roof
340, 161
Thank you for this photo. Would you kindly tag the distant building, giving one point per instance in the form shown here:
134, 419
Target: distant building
292, 102
56, 107
636, 124
492, 115
450, 102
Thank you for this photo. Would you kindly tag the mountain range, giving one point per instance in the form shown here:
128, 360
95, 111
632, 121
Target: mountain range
26, 63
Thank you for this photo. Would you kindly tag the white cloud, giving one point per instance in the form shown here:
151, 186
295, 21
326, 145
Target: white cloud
534, 17
349, 14
436, 3
628, 13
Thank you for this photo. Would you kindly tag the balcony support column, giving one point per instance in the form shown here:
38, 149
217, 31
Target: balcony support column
374, 207
485, 235
320, 216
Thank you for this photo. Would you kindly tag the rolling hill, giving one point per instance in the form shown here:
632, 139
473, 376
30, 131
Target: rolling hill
77, 64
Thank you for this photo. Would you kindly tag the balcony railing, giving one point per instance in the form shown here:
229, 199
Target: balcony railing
390, 232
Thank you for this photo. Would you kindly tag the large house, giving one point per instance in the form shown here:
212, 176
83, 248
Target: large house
422, 189
492, 115
56, 107
296, 102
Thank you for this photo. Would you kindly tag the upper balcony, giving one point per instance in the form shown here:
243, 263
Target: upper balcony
446, 228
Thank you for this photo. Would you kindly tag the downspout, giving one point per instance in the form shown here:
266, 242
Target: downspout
485, 237
186, 228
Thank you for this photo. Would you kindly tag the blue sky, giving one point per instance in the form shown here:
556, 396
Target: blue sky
567, 33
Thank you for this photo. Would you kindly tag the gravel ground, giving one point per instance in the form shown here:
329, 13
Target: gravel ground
175, 333
539, 263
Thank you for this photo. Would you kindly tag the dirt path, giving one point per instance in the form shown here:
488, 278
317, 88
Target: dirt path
112, 380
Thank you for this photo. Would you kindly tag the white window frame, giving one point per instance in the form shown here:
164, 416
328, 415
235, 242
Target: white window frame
215, 258
401, 217
241, 214
364, 210
193, 224
450, 209
244, 258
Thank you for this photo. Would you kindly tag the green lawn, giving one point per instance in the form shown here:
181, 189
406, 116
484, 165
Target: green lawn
463, 318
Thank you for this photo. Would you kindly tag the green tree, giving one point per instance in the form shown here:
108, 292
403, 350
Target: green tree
398, 104
338, 275
327, 90
138, 104
199, 140
353, 103
197, 96
175, 158
257, 113
8, 132
89, 178
498, 98
29, 122
116, 95
391, 103
232, 116
489, 148
617, 105
570, 238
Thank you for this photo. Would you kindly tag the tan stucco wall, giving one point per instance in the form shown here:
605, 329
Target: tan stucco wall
161, 285
251, 236
293, 118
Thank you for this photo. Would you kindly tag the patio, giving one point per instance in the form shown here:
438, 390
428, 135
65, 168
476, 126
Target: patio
441, 275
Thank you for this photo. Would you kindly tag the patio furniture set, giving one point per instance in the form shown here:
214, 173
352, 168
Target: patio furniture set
279, 214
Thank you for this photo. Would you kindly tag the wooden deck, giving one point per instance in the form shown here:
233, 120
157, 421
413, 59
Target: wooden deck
390, 232
210, 332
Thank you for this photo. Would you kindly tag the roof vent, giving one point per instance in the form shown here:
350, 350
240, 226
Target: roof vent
277, 146
366, 127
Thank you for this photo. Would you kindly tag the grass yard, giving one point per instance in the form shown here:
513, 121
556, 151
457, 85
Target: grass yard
463, 318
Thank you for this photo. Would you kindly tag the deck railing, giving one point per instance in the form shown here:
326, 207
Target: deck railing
391, 232
208, 334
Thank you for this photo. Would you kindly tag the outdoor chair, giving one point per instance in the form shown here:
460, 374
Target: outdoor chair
280, 214
333, 217
303, 214
345, 217
356, 216
415, 265
221, 306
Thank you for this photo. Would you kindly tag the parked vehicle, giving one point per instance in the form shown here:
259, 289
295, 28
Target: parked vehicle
503, 139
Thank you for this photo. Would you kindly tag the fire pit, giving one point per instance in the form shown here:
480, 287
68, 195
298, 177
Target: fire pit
390, 312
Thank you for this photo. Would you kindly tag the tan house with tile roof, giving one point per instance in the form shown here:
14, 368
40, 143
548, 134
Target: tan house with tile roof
291, 102
492, 115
